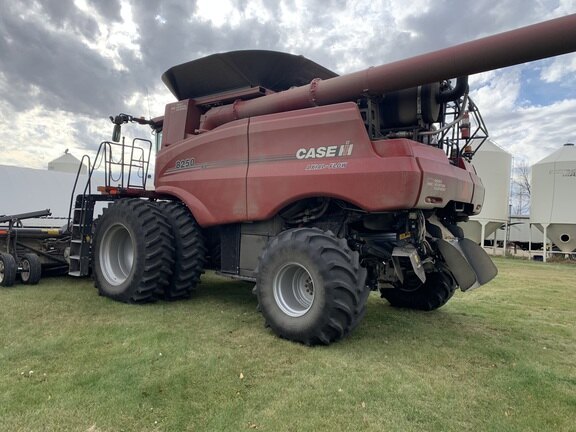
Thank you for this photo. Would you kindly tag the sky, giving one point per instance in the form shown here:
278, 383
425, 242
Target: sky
66, 65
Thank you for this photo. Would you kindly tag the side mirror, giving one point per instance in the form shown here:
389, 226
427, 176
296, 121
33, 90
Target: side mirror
116, 133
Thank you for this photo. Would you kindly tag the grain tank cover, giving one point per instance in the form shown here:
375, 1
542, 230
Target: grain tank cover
235, 70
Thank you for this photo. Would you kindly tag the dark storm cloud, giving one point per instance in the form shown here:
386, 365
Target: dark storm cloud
171, 35
53, 68
84, 137
56, 70
44, 62
63, 14
109, 9
450, 23
445, 24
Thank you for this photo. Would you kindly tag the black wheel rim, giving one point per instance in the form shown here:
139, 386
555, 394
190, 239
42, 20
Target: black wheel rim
25, 273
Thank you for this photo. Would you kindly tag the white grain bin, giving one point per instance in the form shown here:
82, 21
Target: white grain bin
493, 165
66, 163
553, 197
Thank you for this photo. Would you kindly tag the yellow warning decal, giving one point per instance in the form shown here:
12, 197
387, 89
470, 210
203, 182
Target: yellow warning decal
52, 231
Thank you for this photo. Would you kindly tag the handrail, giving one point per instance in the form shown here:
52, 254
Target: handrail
144, 163
76, 183
104, 156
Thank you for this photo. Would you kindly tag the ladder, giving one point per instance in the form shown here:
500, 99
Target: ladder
81, 236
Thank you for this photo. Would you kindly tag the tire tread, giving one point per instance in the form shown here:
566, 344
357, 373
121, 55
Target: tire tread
190, 251
156, 254
344, 281
433, 294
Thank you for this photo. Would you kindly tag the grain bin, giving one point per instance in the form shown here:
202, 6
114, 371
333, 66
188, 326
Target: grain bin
66, 163
553, 200
493, 165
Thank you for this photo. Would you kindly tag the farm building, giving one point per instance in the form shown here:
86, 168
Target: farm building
27, 189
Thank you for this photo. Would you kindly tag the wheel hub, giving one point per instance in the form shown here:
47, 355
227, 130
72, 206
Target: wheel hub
117, 254
294, 290
25, 273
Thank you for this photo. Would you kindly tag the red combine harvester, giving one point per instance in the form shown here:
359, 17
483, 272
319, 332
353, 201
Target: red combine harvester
319, 188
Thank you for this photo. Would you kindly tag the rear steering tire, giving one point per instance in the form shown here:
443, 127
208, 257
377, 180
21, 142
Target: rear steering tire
8, 270
31, 269
434, 293
133, 252
311, 287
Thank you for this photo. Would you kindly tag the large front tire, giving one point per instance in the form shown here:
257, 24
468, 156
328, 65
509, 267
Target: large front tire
430, 295
189, 248
133, 253
311, 287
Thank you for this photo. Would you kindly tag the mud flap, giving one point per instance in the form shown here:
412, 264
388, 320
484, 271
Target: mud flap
462, 271
479, 260
469, 263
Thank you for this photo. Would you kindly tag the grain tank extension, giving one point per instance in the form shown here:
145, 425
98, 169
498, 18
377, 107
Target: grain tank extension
317, 187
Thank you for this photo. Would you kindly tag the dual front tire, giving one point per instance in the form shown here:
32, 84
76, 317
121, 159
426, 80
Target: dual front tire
145, 250
189, 251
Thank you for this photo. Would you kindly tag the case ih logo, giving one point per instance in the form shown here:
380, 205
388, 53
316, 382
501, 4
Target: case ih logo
325, 152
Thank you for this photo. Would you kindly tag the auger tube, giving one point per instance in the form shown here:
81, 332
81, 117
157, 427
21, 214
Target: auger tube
534, 42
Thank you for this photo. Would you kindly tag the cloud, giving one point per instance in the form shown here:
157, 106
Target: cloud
68, 64
561, 69
46, 61
108, 9
528, 131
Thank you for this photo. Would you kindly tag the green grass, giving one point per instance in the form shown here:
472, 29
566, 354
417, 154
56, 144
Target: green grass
501, 358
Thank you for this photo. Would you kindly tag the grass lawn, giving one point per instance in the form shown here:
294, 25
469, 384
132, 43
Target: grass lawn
501, 358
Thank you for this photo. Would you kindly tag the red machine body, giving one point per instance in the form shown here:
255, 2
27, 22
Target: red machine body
232, 147
249, 170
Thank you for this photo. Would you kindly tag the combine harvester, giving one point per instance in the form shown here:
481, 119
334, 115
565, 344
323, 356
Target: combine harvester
319, 188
